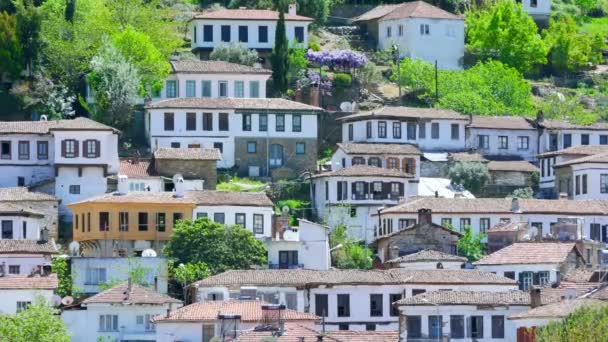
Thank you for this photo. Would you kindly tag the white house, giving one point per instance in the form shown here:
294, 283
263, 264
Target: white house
583, 178
26, 214
461, 315
503, 136
305, 246
559, 135
350, 195
255, 28
88, 274
225, 320
255, 135
26, 257
430, 129
420, 31
19, 291
349, 299
75, 155
533, 263
404, 157
539, 9
122, 313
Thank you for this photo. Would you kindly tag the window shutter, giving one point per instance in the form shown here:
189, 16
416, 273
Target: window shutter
401, 189
469, 327
63, 148
345, 190
353, 187
84, 149
339, 194
413, 166
97, 148
75, 148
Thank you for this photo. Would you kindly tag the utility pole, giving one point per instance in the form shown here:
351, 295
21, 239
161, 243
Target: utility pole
395, 49
436, 82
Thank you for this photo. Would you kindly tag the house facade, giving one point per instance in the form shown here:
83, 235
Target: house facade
19, 291
510, 137
419, 30
26, 257
27, 213
305, 246
579, 178
404, 157
559, 135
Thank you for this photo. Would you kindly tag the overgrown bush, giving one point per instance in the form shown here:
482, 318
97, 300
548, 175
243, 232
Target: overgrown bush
472, 175
343, 81
234, 53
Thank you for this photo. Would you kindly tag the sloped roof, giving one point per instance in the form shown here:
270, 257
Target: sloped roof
513, 297
27, 246
45, 127
249, 310
392, 112
208, 197
558, 310
26, 282
414, 9
8, 208
467, 157
580, 150
295, 332
427, 255
137, 294
511, 165
560, 124
365, 171
376, 12
502, 122
260, 104
378, 148
187, 153
530, 253
215, 67
16, 194
138, 197
142, 168
248, 14
601, 158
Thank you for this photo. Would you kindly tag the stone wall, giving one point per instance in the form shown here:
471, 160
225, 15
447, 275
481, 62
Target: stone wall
189, 169
50, 209
422, 237
434, 169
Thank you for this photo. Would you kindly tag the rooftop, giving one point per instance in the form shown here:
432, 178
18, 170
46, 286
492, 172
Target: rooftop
512, 165
27, 246
601, 158
557, 310
467, 157
365, 171
137, 294
17, 194
215, 67
428, 255
295, 332
513, 297
530, 253
405, 113
243, 104
508, 227
560, 124
142, 168
187, 153
13, 209
414, 9
502, 122
26, 282
249, 310
378, 148
45, 127
580, 150
248, 14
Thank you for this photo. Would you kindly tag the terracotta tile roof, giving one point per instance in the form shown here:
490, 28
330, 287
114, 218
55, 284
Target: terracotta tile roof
27, 246
427, 255
209, 198
8, 208
248, 14
499, 206
45, 127
557, 310
364, 336
513, 297
530, 253
511, 165
138, 197
467, 157
508, 227
365, 171
432, 225
17, 194
187, 153
379, 148
601, 294
215, 67
350, 277
25, 282
137, 295
249, 310
559, 124
502, 122
414, 9
551, 294
272, 104
295, 333
142, 168
580, 150
593, 159
405, 113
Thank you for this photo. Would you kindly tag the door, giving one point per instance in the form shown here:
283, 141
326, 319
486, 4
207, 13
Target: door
288, 259
276, 155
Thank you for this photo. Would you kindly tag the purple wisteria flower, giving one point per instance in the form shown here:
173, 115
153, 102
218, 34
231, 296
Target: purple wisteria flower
341, 59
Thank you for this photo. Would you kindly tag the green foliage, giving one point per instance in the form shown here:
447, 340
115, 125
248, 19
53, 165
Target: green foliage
317, 9
46, 97
351, 255
297, 62
296, 209
190, 272
567, 108
60, 267
587, 324
369, 76
219, 246
472, 175
234, 53
29, 19
314, 45
135, 271
415, 74
342, 80
470, 245
505, 32
38, 322
10, 46
522, 193
279, 57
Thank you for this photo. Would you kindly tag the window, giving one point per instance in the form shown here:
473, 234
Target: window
483, 142
484, 224
246, 122
604, 183
219, 218
43, 150
541, 278
123, 221
142, 221
104, 221
603, 139
280, 123
145, 320
14, 269
421, 130
95, 276
169, 121
225, 33
263, 34
503, 142
342, 193
375, 305
74, 189
254, 89
24, 228
91, 148
498, 326
361, 161
374, 161
457, 326
409, 165
108, 322
161, 222
299, 34
223, 121
258, 224
403, 223
263, 122
276, 156
89, 222
424, 29
435, 130
381, 129
392, 163
414, 326
207, 33
252, 147
222, 88
300, 148
175, 145
393, 298
417, 292
194, 33
206, 88
219, 146
343, 305
446, 221
243, 34
321, 305
22, 305
177, 217
584, 139
534, 3
388, 31
577, 184
368, 129
296, 123
525, 280
239, 219
400, 30
464, 222
567, 140
69, 148
201, 215
435, 326
397, 130
523, 143
350, 132
6, 150
476, 328
24, 150
288, 259
370, 327
207, 121
584, 185
239, 89
190, 121
190, 88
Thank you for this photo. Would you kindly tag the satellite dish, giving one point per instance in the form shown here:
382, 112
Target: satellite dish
285, 209
177, 177
74, 248
148, 253
67, 300
56, 300
346, 107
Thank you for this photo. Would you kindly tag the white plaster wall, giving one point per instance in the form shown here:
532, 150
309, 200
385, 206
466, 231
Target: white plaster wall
9, 298
593, 172
493, 150
230, 215
501, 269
108, 142
92, 183
215, 79
594, 137
155, 184
336, 160
542, 9
32, 227
182, 331
311, 242
26, 262
203, 293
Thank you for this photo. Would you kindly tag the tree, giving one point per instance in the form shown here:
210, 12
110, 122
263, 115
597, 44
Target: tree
522, 193
279, 57
351, 255
219, 246
29, 19
45, 96
317, 9
505, 32
472, 175
188, 273
135, 271
297, 63
587, 324
59, 266
10, 47
234, 53
470, 245
39, 322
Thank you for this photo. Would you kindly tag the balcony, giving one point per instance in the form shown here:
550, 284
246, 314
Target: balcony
376, 197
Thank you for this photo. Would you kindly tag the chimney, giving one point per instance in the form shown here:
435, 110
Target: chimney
436, 194
515, 205
298, 94
314, 95
425, 216
123, 184
292, 9
179, 187
535, 297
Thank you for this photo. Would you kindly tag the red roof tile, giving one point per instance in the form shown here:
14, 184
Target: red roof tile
530, 253
137, 295
295, 333
248, 14
215, 67
24, 282
143, 168
413, 9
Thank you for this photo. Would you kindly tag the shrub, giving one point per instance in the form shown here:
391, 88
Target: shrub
343, 81
472, 175
234, 53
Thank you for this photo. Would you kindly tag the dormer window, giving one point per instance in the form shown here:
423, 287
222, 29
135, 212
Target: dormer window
69, 148
91, 148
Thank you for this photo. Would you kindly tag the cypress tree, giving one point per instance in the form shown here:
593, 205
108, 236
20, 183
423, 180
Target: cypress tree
279, 60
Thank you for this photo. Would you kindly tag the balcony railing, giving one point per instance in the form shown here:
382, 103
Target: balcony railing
377, 196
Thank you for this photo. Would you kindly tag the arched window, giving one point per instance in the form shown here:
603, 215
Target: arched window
276, 155
392, 163
409, 165
374, 161
358, 161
